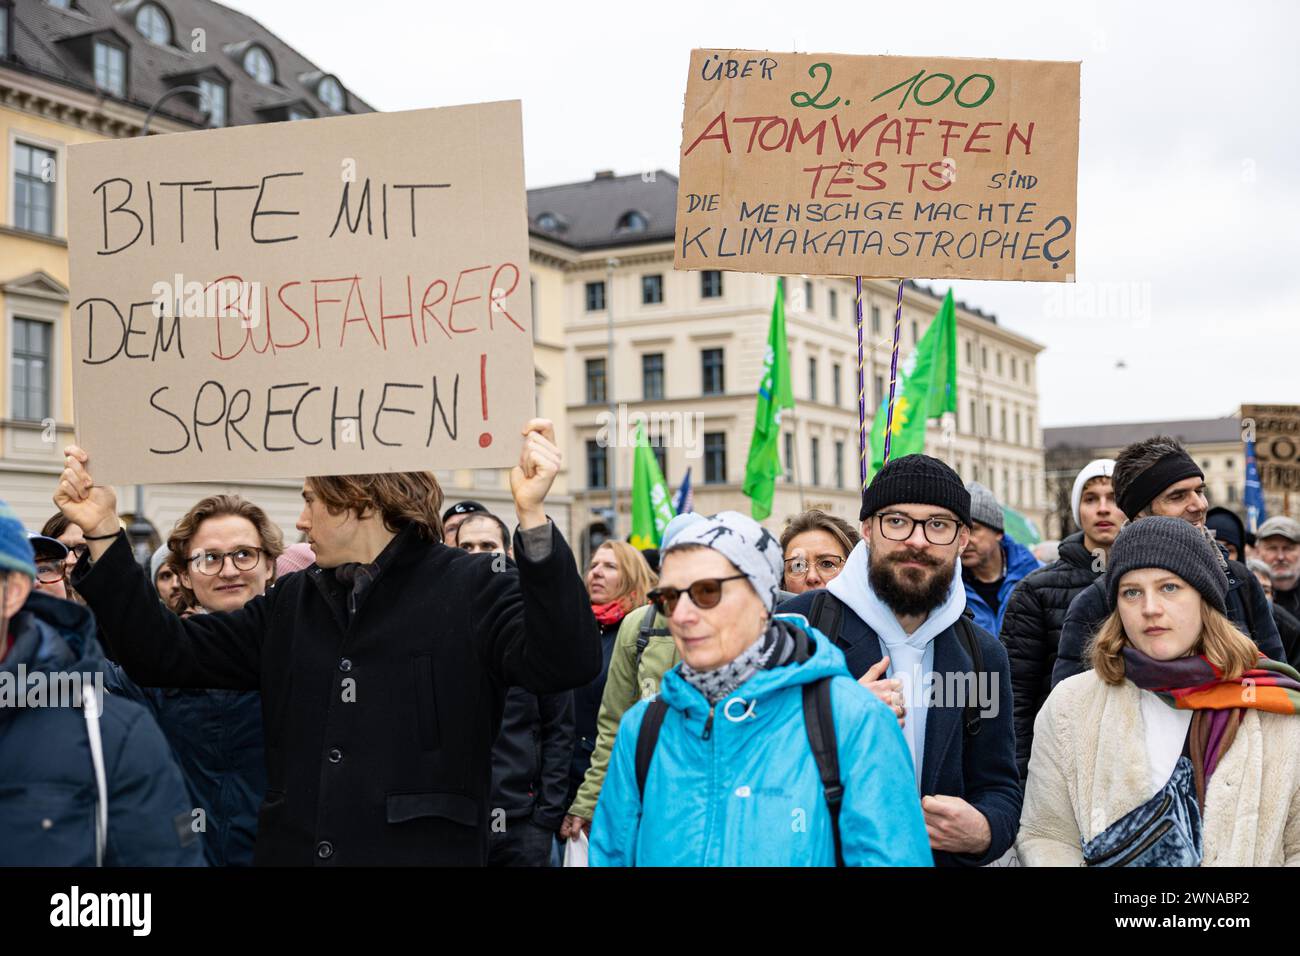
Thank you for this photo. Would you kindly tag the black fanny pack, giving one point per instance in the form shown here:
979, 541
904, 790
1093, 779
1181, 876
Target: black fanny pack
1164, 831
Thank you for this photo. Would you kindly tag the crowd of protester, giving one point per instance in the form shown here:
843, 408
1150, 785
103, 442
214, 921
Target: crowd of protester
417, 684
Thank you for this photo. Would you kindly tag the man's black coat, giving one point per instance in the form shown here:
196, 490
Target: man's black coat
379, 723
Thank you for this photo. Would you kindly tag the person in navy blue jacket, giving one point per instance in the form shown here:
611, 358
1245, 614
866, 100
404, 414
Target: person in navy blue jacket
897, 611
992, 564
82, 785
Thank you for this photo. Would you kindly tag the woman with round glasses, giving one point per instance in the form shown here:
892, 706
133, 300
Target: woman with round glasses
51, 565
226, 548
814, 546
721, 768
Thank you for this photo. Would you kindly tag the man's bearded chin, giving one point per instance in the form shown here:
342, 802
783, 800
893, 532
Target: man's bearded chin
910, 591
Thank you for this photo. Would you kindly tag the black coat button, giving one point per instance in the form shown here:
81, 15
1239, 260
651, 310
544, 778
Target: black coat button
335, 755
345, 665
324, 849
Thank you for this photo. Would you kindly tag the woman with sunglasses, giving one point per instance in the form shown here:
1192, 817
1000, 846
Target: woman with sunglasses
815, 546
731, 779
226, 548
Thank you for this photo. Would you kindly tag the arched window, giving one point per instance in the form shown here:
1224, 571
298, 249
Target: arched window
632, 221
548, 221
153, 24
258, 65
331, 94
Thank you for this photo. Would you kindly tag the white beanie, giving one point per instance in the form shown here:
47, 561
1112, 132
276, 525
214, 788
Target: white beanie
1097, 468
743, 542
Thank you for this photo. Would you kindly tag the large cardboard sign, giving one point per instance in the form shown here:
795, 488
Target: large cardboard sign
1277, 445
879, 166
334, 296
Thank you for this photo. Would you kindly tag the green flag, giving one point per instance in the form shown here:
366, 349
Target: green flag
927, 389
1021, 528
652, 508
764, 464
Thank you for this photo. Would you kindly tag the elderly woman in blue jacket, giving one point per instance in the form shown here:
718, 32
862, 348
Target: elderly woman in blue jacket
720, 769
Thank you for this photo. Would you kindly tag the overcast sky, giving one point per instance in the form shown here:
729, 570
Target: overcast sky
1189, 166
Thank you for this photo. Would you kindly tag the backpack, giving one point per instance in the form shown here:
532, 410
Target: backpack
647, 631
819, 724
827, 613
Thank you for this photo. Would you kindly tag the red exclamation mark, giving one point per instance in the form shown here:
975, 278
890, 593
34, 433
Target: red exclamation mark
485, 438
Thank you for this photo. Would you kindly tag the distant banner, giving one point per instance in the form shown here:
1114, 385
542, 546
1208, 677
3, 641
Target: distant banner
879, 166
1276, 431
336, 296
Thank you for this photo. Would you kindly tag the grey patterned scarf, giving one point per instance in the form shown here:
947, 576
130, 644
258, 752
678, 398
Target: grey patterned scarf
772, 648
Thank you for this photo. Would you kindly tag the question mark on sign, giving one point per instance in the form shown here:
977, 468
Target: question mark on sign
1055, 258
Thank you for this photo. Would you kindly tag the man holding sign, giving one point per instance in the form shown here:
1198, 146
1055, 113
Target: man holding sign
382, 668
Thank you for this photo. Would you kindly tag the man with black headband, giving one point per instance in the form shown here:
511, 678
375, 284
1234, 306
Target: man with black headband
1158, 477
897, 611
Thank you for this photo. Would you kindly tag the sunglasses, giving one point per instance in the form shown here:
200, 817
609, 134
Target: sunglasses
705, 593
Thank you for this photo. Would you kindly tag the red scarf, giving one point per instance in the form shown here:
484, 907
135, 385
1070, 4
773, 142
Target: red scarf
609, 614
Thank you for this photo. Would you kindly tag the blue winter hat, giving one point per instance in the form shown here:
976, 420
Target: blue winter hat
15, 550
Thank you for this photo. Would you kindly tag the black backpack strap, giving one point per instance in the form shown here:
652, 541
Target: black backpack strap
819, 723
971, 713
646, 739
826, 613
647, 631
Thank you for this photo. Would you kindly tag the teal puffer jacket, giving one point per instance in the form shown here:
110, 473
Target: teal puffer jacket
737, 785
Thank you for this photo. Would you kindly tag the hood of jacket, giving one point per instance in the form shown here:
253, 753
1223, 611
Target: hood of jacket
853, 586
824, 660
1020, 561
51, 635
1073, 552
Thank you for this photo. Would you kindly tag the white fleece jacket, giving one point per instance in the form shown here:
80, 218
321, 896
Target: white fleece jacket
1089, 767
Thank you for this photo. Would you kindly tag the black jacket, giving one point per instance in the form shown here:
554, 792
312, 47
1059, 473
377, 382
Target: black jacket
530, 760
586, 708
379, 721
1246, 606
48, 789
1031, 631
981, 769
1288, 627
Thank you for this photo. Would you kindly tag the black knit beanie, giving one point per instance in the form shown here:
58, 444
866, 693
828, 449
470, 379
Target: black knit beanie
916, 480
1173, 545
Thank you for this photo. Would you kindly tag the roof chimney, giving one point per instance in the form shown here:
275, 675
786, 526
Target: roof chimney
604, 174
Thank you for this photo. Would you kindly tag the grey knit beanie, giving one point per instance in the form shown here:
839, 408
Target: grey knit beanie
984, 506
156, 562
1174, 545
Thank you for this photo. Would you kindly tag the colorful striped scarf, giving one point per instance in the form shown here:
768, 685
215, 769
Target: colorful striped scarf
1193, 683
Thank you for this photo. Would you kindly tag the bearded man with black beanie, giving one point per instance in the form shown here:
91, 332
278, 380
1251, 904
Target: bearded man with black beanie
1157, 477
898, 612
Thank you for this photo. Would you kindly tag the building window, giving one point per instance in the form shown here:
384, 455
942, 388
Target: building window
4, 32
660, 453
815, 451
807, 295
999, 357
595, 296
597, 465
34, 178
812, 379
710, 284
988, 420
970, 361
839, 464
1006, 484
1014, 367
875, 320
1003, 417
711, 370
787, 460
837, 387
110, 68
214, 101
833, 303
1030, 440
974, 420
331, 94
1232, 492
715, 458
984, 357
652, 289
153, 24
1020, 487
633, 221
652, 376
30, 370
595, 381
60, 4
258, 65
916, 332
1018, 438
299, 114
1228, 464
880, 390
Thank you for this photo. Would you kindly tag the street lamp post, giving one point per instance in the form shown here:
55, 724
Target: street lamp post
205, 104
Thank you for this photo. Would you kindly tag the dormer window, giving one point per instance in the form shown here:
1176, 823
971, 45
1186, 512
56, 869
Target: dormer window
110, 68
331, 94
257, 64
152, 22
213, 100
548, 221
632, 221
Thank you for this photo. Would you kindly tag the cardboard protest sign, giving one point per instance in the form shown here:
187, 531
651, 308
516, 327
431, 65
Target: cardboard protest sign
879, 166
335, 296
1277, 444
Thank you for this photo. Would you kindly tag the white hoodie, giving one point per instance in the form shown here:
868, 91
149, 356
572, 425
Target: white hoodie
911, 656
